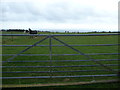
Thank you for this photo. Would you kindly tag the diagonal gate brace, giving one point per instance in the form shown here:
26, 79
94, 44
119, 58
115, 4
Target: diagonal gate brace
9, 59
87, 56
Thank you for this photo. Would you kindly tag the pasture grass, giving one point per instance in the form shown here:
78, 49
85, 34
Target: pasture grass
71, 40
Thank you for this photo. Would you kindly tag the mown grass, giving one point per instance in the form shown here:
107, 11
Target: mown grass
71, 40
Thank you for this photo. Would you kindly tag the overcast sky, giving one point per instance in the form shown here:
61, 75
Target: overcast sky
59, 14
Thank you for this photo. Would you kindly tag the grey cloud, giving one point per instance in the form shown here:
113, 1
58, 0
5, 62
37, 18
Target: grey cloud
16, 12
61, 12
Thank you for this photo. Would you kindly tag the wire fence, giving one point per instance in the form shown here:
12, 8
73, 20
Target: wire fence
52, 56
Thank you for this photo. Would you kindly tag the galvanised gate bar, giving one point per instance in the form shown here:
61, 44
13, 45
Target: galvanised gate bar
58, 40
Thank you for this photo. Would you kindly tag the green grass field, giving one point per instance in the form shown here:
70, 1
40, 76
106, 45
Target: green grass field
71, 40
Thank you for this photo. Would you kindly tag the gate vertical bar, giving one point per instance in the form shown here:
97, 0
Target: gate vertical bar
50, 52
11, 37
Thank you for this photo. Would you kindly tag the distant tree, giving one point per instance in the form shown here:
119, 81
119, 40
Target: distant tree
103, 31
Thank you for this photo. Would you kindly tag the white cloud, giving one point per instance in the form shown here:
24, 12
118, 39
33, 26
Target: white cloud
60, 14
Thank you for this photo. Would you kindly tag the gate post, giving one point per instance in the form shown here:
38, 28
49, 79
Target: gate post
50, 54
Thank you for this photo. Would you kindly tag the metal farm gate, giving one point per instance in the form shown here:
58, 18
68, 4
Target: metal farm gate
68, 57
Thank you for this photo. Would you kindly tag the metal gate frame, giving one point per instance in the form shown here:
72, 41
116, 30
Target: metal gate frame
50, 37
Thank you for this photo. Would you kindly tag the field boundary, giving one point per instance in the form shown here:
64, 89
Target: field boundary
59, 84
